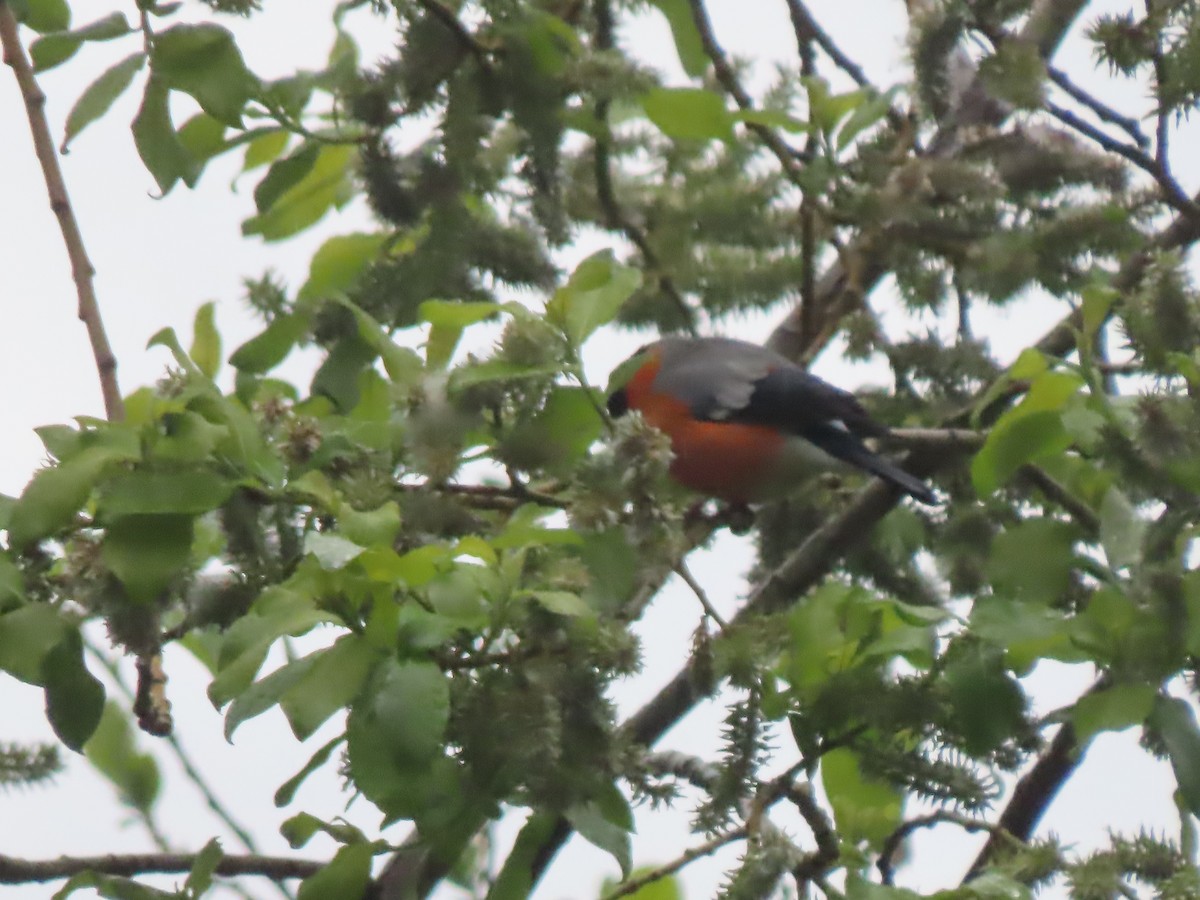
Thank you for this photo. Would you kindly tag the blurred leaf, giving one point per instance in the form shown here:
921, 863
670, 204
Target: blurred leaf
265, 148
203, 137
27, 634
1177, 724
151, 492
592, 296
600, 831
99, 96
157, 144
113, 752
327, 183
46, 15
331, 684
147, 552
338, 264
687, 38
268, 349
332, 551
74, 696
1034, 559
1122, 530
203, 60
864, 809
448, 320
370, 527
200, 878
52, 498
1115, 708
692, 114
59, 46
412, 704
287, 790
987, 704
401, 364
346, 877
206, 341
515, 879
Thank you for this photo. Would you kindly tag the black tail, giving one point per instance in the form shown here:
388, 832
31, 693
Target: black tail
890, 472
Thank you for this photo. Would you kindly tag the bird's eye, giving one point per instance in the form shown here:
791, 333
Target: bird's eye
618, 403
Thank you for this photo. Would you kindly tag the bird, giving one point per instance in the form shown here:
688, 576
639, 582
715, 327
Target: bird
746, 424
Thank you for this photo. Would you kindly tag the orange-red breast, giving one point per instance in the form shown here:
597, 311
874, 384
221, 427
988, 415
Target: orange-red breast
746, 424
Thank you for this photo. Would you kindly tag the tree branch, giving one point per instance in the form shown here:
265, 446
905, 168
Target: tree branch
633, 885
60, 203
23, 871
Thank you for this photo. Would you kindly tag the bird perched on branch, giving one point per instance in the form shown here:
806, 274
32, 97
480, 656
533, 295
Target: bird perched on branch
747, 424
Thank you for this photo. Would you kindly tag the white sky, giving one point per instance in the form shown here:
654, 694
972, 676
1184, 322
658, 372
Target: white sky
158, 260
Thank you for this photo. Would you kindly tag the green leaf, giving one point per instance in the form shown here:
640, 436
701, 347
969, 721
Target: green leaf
265, 148
864, 809
665, 888
563, 603
47, 15
600, 831
57, 47
200, 878
74, 696
1176, 723
370, 527
515, 879
592, 296
284, 175
332, 683
1013, 443
687, 38
448, 320
265, 351
27, 634
339, 263
411, 703
402, 364
1112, 709
147, 552
329, 183
692, 114
332, 551
99, 96
346, 877
12, 584
287, 790
1033, 560
204, 61
987, 704
267, 692
52, 498
206, 341
113, 752
151, 492
1122, 530
203, 137
338, 376
157, 144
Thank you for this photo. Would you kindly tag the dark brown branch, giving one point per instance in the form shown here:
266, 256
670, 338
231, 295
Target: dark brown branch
1060, 494
887, 854
815, 864
1173, 193
1032, 796
25, 871
632, 885
60, 203
454, 24
1101, 110
606, 194
808, 29
729, 81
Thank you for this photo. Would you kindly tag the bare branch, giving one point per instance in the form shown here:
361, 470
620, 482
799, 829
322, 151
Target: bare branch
809, 29
24, 871
1101, 110
729, 80
887, 854
60, 203
684, 573
454, 24
633, 885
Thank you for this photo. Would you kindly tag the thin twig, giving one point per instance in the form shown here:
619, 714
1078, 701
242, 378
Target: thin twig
1173, 193
185, 761
683, 572
454, 24
891, 846
808, 29
1060, 494
606, 193
729, 80
24, 871
1102, 111
60, 203
633, 885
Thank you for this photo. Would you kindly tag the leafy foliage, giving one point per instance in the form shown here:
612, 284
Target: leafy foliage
471, 536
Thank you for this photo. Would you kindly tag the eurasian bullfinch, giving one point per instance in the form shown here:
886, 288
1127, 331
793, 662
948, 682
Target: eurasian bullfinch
747, 424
